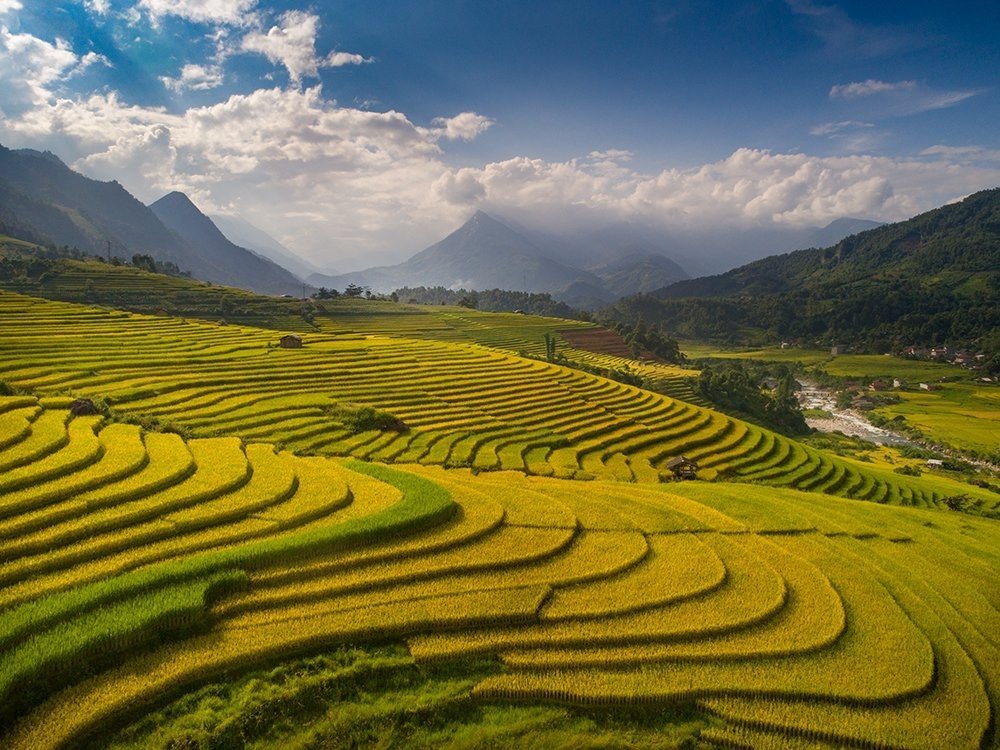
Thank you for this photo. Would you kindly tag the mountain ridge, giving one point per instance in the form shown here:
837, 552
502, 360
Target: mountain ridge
231, 264
45, 201
934, 278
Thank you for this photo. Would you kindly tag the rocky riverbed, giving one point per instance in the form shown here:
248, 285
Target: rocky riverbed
847, 421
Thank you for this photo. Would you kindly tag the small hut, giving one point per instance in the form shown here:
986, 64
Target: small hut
83, 407
290, 341
682, 467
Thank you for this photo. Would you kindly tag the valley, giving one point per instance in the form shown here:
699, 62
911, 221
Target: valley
695, 459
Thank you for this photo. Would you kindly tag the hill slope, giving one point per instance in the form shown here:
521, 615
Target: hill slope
223, 262
931, 279
138, 564
44, 197
43, 200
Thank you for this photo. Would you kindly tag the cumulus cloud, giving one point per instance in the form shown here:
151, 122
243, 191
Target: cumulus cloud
28, 66
195, 78
6, 6
339, 59
292, 44
464, 126
144, 157
349, 186
749, 188
200, 11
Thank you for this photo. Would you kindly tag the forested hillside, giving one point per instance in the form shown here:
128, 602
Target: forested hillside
932, 279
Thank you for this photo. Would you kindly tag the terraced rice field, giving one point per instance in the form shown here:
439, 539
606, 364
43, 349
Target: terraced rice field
466, 405
136, 566
133, 289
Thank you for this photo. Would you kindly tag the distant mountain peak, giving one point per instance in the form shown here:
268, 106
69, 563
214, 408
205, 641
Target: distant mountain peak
175, 198
482, 220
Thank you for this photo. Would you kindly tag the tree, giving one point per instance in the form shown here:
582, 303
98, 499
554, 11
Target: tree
144, 262
550, 347
353, 290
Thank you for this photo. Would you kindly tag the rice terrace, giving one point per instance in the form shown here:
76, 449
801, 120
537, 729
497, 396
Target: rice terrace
652, 403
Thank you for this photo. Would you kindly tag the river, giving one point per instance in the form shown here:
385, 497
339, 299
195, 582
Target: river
847, 421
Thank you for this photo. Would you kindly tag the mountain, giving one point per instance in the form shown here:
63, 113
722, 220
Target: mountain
229, 264
241, 232
43, 200
638, 272
699, 250
481, 254
833, 233
485, 253
44, 197
932, 279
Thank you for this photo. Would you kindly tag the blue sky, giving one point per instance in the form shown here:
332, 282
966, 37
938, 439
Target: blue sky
360, 130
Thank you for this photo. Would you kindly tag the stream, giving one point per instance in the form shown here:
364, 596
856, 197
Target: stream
847, 421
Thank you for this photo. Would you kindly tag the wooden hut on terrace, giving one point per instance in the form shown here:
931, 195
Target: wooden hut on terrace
83, 407
290, 341
682, 467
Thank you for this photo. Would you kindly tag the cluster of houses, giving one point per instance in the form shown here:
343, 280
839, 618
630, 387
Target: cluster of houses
967, 359
898, 384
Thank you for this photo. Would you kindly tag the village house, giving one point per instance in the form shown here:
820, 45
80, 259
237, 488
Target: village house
942, 352
930, 387
682, 467
899, 384
290, 341
878, 385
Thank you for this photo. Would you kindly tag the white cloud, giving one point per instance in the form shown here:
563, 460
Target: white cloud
611, 154
869, 87
900, 97
340, 59
194, 77
963, 154
89, 60
749, 188
28, 65
350, 187
7, 6
852, 136
834, 128
292, 44
464, 126
144, 157
232, 12
100, 7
